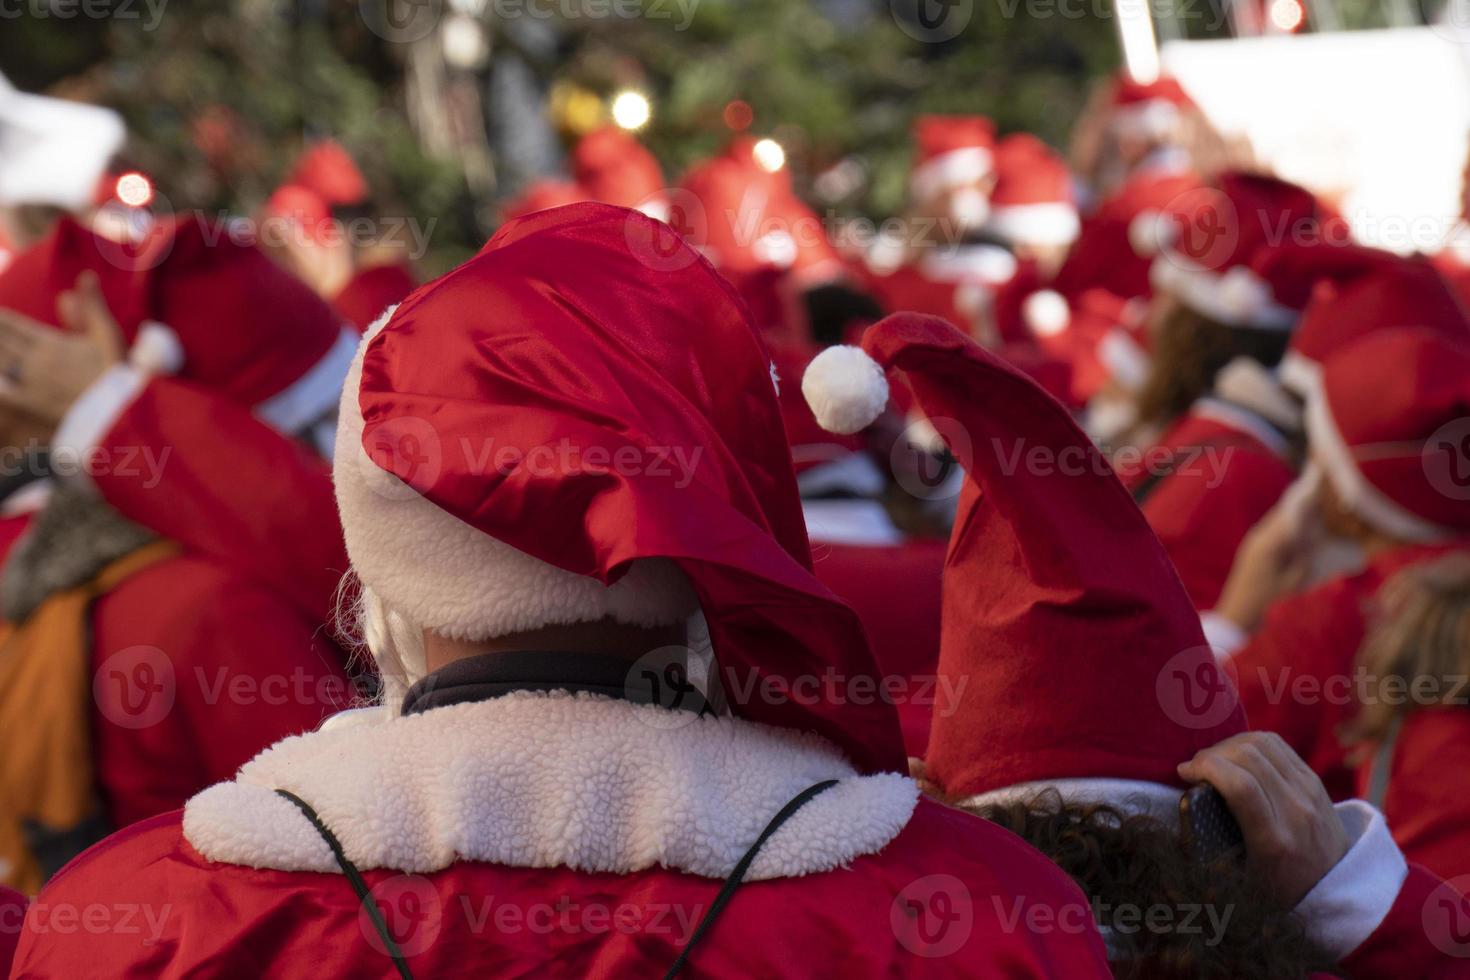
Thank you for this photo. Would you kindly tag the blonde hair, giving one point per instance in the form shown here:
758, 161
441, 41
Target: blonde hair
1420, 633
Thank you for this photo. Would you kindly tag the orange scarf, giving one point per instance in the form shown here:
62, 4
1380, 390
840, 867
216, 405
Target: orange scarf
46, 777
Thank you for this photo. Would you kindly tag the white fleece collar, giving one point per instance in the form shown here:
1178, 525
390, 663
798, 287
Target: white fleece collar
549, 780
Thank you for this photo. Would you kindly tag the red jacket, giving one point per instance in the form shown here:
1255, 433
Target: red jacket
1295, 675
1425, 805
1207, 481
861, 882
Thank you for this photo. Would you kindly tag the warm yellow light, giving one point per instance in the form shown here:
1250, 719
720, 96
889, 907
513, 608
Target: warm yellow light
134, 190
769, 155
1287, 15
631, 110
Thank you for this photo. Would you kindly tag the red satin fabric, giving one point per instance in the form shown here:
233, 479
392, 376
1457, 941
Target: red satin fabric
595, 327
951, 896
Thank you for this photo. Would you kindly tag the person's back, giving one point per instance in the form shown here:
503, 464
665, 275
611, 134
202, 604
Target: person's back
610, 684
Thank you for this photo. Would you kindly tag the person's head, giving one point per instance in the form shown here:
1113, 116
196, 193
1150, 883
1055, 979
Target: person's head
1189, 350
550, 447
1419, 633
1385, 427
953, 174
837, 311
1128, 863
56, 154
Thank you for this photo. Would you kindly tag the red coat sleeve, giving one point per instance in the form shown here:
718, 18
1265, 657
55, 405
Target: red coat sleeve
1425, 935
197, 669
205, 473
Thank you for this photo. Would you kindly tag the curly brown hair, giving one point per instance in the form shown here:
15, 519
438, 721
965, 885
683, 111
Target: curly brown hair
1215, 921
1189, 350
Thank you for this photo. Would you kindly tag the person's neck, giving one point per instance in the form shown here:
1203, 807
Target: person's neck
602, 637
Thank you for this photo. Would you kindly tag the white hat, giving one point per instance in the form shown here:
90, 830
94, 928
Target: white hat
53, 151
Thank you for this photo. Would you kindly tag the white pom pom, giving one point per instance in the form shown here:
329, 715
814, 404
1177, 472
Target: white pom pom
156, 350
1046, 313
845, 388
1149, 234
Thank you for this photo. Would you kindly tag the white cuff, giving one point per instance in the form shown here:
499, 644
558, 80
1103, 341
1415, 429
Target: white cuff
89, 420
1352, 900
1223, 636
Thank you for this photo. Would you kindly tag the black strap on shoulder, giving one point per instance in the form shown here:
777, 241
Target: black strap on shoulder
354, 878
727, 891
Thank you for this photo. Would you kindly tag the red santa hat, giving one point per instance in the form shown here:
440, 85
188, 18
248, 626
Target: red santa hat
1222, 246
328, 170
743, 218
1368, 290
198, 303
952, 151
614, 168
55, 151
542, 195
509, 457
1062, 613
1388, 426
1100, 335
1148, 110
1033, 202
302, 207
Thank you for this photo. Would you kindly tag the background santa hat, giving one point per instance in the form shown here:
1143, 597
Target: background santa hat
1390, 426
328, 170
614, 168
1220, 244
565, 336
1367, 291
1148, 110
951, 151
1033, 202
1062, 614
55, 151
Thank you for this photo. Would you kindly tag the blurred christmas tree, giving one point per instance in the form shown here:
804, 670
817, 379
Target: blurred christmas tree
452, 104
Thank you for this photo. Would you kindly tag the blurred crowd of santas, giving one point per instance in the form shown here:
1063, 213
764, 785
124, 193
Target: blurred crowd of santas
1289, 411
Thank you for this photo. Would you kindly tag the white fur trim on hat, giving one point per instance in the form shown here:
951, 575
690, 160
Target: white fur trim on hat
550, 780
845, 388
441, 574
1353, 489
55, 150
305, 400
1151, 119
1237, 297
1046, 313
961, 166
1037, 224
1132, 796
156, 349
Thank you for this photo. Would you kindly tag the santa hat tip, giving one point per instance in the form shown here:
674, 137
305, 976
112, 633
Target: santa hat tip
845, 388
